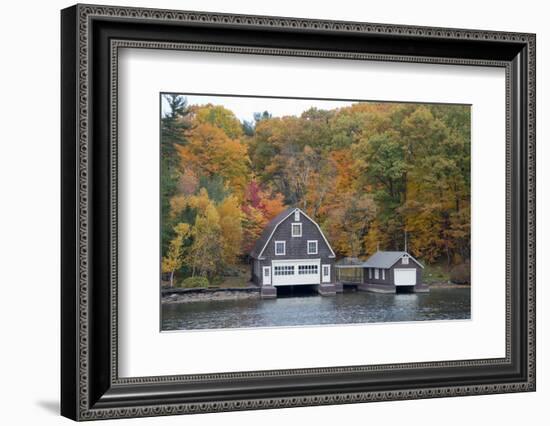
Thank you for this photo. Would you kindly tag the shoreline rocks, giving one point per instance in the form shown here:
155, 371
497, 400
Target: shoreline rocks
209, 295
448, 285
187, 295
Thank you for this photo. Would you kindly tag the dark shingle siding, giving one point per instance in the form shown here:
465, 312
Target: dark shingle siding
296, 247
389, 274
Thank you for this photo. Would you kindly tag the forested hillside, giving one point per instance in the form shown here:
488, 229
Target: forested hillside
367, 173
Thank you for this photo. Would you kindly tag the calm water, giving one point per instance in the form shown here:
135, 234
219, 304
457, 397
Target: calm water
345, 308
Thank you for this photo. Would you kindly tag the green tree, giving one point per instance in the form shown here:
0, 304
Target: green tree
174, 123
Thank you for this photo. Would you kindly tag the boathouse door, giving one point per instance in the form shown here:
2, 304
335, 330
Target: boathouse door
266, 279
296, 272
405, 276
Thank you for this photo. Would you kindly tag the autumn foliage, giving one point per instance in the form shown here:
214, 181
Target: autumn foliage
369, 174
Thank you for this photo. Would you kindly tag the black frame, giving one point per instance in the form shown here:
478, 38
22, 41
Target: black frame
90, 386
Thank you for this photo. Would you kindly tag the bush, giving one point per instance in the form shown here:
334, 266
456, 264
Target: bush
194, 282
460, 274
231, 271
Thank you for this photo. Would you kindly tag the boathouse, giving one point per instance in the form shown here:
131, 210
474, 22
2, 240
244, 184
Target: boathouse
293, 251
390, 271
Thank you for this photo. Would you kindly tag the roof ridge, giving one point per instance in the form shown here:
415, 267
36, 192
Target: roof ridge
386, 259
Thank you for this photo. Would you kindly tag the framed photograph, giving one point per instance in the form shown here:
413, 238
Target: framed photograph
286, 198
263, 212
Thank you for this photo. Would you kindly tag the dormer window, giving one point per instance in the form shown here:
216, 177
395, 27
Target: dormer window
296, 215
312, 247
296, 229
405, 260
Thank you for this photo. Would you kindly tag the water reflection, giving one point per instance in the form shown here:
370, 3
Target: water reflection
303, 309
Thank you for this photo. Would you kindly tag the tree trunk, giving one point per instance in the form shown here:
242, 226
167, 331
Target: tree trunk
172, 279
405, 178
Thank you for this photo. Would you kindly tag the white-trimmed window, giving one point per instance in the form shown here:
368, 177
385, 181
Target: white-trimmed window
296, 215
296, 229
283, 270
312, 247
376, 273
370, 273
383, 274
280, 248
405, 260
308, 269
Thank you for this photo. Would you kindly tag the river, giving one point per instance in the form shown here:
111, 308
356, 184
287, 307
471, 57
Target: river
309, 309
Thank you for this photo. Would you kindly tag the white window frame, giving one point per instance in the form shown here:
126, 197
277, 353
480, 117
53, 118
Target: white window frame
284, 248
376, 273
405, 260
308, 269
316, 247
296, 215
284, 270
383, 274
292, 228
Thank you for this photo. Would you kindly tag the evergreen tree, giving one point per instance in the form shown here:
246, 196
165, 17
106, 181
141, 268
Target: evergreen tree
174, 123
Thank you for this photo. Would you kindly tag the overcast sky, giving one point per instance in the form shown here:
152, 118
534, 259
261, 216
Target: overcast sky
244, 107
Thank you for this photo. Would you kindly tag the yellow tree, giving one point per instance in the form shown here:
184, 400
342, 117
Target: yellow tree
177, 205
231, 229
200, 202
206, 249
254, 223
175, 256
375, 239
211, 152
220, 117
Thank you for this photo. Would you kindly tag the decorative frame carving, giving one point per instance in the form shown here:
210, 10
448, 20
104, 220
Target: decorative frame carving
91, 388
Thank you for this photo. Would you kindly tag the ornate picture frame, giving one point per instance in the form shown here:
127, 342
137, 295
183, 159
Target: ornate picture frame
91, 37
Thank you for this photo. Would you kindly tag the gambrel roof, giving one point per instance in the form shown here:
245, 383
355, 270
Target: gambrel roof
271, 227
386, 259
268, 230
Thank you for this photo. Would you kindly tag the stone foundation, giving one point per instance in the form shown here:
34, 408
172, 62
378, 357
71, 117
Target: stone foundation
326, 289
268, 292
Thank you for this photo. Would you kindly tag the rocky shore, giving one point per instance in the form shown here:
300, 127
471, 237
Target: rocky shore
448, 285
185, 295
